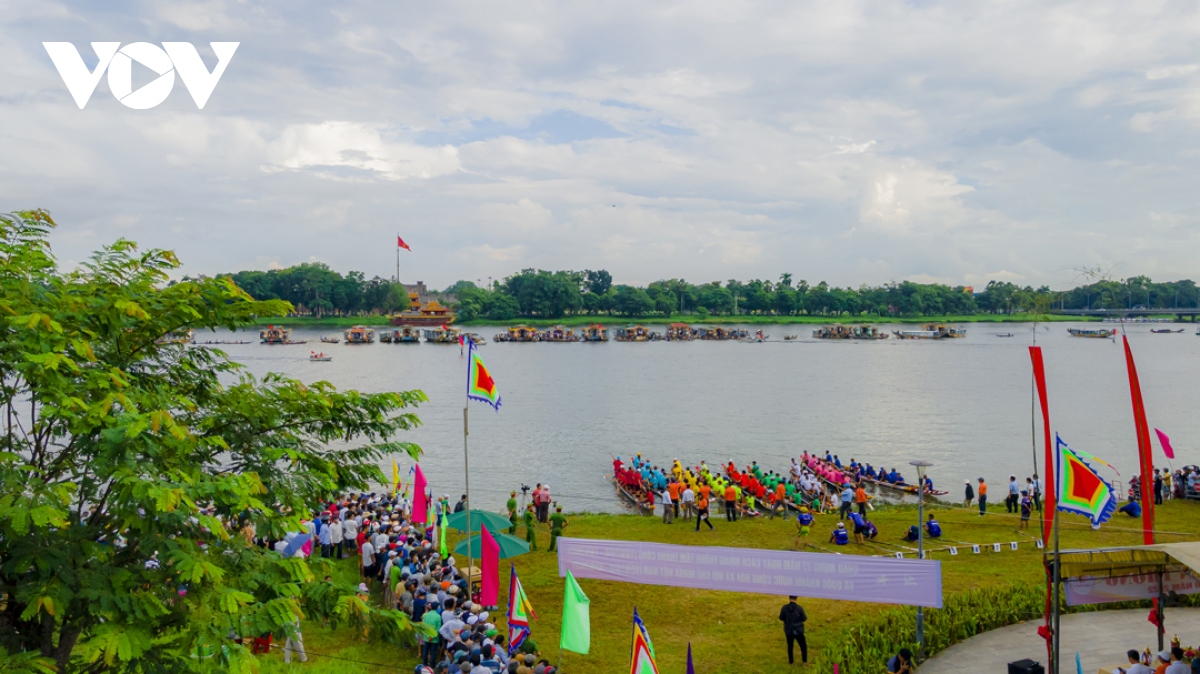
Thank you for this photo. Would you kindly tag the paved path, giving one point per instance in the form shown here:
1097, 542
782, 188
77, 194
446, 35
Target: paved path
1101, 638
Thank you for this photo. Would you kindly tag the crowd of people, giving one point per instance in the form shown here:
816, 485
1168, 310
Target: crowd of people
808, 489
403, 558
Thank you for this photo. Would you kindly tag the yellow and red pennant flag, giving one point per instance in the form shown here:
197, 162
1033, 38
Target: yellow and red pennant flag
480, 385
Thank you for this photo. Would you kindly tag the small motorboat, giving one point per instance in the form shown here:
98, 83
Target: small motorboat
330, 340
1166, 331
790, 338
1004, 334
319, 357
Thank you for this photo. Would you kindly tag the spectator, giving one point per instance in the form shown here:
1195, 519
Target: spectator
982, 497
900, 663
968, 494
1177, 666
1135, 664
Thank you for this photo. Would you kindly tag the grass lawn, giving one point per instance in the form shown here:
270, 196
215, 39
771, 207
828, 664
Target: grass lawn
741, 319
728, 630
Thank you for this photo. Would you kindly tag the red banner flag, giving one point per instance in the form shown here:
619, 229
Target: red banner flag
1145, 460
400, 244
420, 511
489, 590
1048, 495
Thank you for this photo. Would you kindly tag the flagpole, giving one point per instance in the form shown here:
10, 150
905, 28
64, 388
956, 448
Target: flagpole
467, 479
1054, 662
398, 271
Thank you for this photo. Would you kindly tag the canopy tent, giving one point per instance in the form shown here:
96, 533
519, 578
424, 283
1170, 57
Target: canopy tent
1157, 559
1124, 561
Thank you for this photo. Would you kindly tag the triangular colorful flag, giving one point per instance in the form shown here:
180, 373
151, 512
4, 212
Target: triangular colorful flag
1166, 444
395, 477
480, 385
576, 618
641, 658
420, 511
1145, 453
520, 612
1080, 489
400, 244
489, 553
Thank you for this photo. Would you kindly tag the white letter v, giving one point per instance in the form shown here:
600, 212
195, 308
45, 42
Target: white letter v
199, 82
75, 75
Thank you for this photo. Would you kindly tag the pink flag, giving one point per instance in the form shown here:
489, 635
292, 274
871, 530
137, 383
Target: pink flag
489, 591
420, 511
1166, 444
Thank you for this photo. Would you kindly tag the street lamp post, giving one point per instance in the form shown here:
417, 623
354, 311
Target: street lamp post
920, 466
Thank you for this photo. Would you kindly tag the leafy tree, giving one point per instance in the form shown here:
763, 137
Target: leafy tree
127, 460
597, 282
631, 301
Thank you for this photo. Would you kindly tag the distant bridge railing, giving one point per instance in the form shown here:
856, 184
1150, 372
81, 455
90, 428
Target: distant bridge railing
1119, 313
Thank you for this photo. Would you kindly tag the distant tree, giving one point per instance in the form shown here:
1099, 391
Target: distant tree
631, 301
597, 282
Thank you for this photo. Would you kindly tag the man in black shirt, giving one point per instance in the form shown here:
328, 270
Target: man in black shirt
793, 617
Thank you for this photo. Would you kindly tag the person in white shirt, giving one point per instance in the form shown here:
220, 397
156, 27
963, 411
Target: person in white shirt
1177, 665
1135, 664
668, 506
350, 533
336, 534
689, 503
367, 562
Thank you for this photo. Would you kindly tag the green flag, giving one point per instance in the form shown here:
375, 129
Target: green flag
576, 619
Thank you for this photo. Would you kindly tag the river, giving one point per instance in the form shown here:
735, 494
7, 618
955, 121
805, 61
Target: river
962, 404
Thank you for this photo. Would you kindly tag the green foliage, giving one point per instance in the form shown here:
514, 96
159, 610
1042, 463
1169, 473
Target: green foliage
117, 444
867, 645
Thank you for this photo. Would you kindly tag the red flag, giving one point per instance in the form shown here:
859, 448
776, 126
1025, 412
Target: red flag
420, 511
1146, 461
400, 244
1049, 493
489, 591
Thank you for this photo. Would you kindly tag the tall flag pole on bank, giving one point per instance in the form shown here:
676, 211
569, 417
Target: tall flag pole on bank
400, 244
480, 386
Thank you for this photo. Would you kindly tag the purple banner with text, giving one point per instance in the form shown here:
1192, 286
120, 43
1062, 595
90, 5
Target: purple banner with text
881, 580
1091, 590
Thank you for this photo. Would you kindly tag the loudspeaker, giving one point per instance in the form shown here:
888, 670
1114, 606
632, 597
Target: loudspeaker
1025, 666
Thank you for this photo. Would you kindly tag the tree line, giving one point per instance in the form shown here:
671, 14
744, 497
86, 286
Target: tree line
314, 288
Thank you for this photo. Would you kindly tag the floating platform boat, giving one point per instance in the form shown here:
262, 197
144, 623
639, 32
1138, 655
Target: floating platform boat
518, 333
275, 335
931, 331
443, 335
632, 333
1091, 333
594, 333
559, 333
359, 334
839, 331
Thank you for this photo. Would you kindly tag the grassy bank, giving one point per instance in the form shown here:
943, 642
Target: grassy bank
743, 319
732, 632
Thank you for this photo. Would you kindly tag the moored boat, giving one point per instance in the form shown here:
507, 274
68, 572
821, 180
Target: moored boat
518, 333
443, 335
594, 333
632, 333
330, 340
275, 335
1091, 333
359, 334
475, 338
559, 333
931, 331
1166, 331
839, 331
681, 332
407, 334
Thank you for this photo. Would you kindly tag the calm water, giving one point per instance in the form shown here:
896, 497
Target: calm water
962, 404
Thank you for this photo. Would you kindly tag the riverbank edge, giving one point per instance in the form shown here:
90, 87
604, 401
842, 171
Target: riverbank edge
379, 321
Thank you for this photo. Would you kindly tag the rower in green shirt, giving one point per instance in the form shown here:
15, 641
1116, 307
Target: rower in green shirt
512, 513
530, 537
558, 522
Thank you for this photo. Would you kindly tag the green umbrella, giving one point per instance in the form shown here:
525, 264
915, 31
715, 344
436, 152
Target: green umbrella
492, 520
510, 546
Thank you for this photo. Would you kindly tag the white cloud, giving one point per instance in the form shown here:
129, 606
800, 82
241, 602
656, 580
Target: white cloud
852, 142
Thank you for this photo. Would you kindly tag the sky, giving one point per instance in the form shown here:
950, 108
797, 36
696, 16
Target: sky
845, 141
